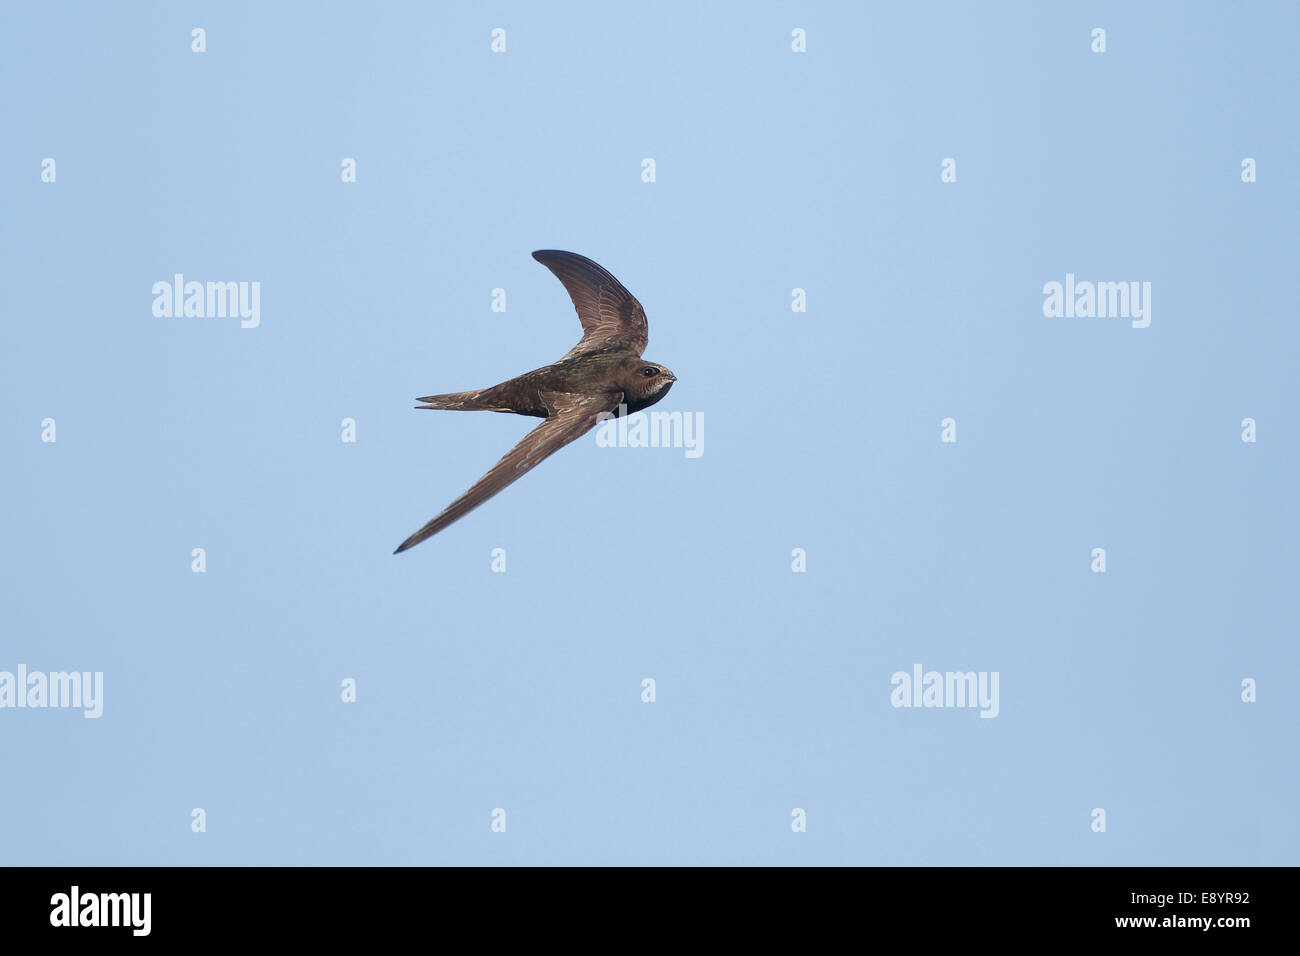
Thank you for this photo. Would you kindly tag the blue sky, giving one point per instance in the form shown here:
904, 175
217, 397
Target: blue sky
774, 171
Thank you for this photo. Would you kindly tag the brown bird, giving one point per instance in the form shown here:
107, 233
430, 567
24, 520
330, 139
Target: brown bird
602, 375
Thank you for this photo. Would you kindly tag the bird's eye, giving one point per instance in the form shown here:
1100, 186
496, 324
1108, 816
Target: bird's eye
649, 371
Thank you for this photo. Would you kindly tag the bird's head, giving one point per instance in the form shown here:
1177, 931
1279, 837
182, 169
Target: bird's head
644, 383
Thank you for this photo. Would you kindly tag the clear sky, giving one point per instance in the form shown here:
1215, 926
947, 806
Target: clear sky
774, 171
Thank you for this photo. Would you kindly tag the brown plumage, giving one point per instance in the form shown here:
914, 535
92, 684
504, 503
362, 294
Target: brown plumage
603, 374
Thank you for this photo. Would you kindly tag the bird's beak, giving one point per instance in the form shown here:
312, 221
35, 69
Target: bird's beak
672, 377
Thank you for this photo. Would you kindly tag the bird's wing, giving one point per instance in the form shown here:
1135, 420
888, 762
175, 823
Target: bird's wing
610, 315
571, 417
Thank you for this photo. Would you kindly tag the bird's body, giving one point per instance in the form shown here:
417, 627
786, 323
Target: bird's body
602, 375
589, 372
